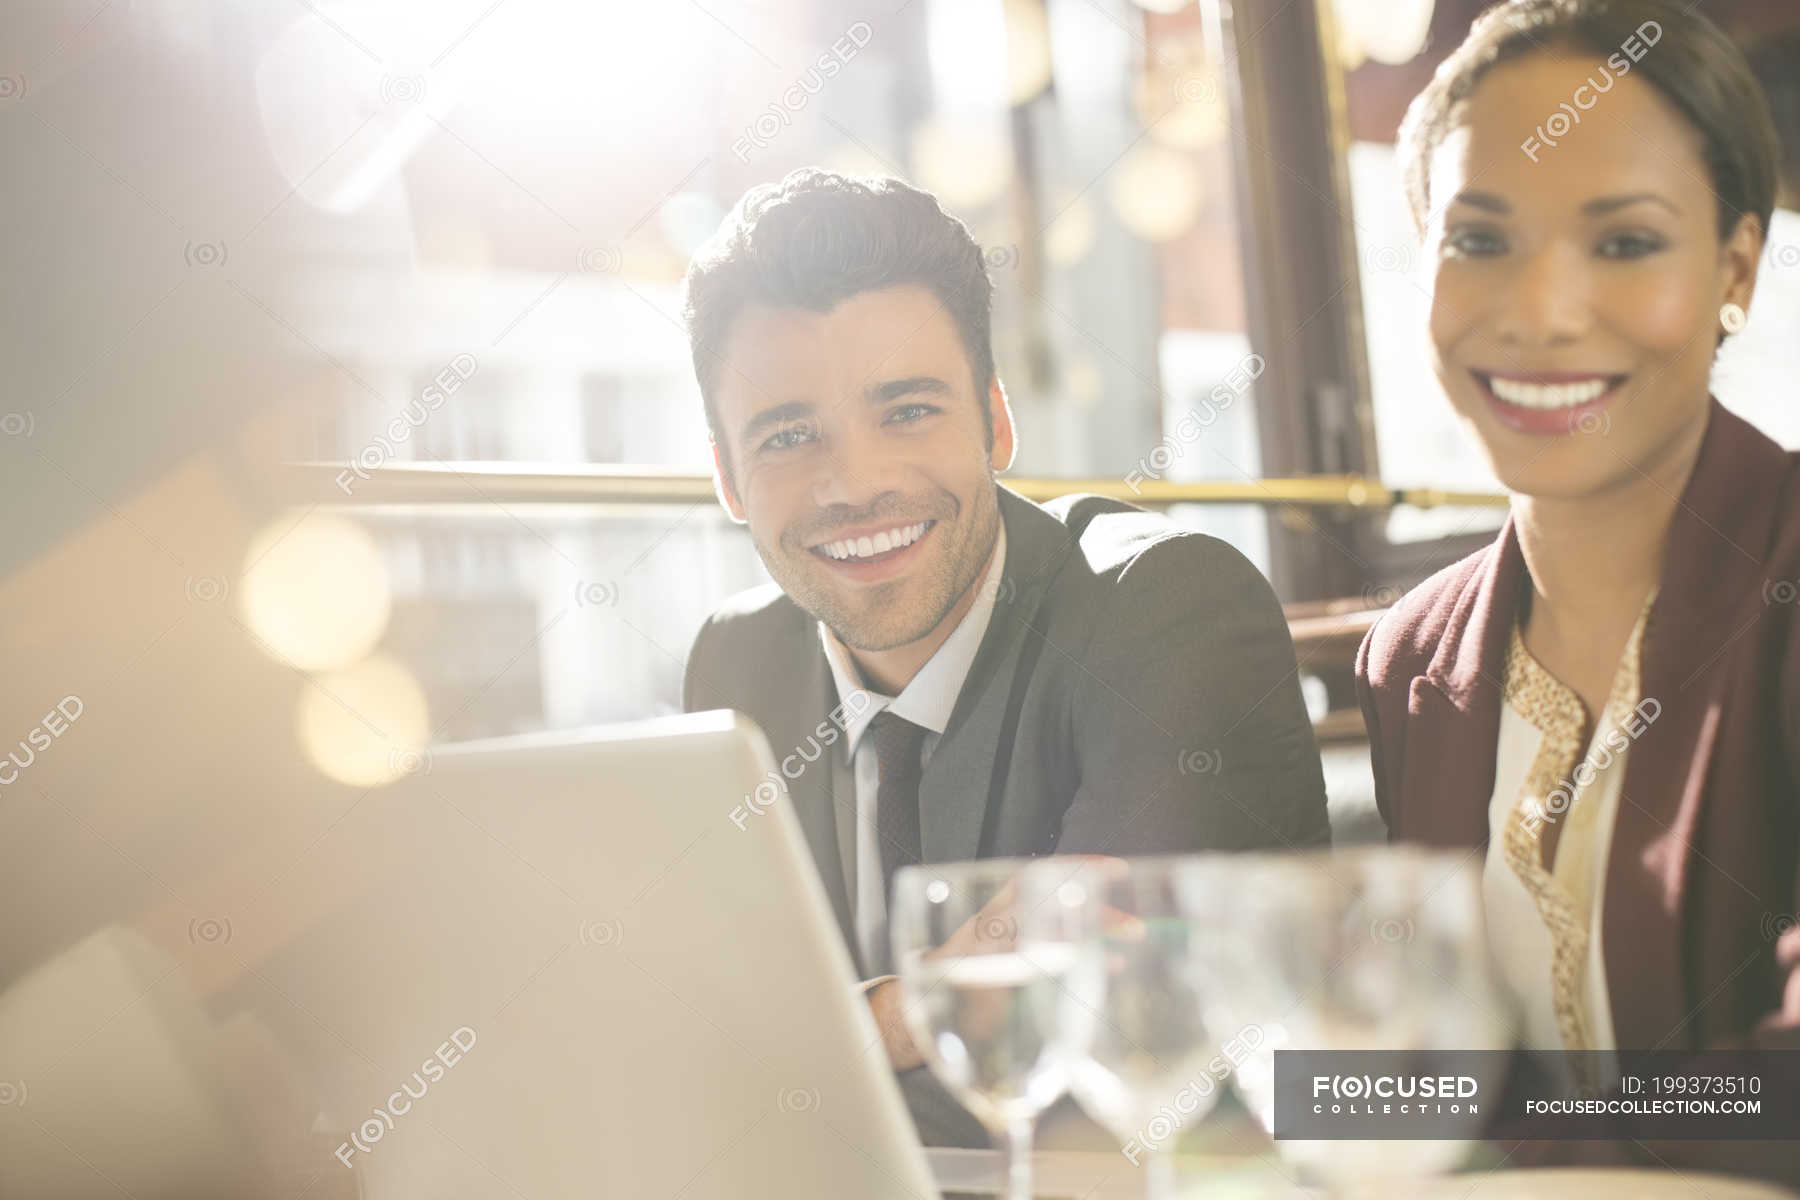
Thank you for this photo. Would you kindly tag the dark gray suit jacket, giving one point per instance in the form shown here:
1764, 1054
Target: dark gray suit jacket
1135, 693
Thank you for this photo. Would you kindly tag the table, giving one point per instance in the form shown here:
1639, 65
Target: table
1098, 1175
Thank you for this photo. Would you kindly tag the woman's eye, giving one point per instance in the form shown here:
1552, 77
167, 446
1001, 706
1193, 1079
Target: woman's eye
1631, 245
1474, 243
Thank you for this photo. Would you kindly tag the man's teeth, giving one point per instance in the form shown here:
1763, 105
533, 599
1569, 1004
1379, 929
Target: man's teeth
881, 543
1548, 395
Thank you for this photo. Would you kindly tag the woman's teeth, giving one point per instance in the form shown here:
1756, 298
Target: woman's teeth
1548, 395
881, 543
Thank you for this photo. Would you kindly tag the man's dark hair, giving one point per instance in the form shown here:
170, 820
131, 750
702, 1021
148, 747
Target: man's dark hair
817, 238
1694, 65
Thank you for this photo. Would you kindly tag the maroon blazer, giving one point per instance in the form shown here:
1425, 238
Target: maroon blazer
1701, 942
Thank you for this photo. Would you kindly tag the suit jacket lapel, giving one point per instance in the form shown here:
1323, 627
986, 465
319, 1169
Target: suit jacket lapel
1710, 592
960, 782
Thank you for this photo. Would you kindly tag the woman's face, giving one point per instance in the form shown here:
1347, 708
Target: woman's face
1576, 288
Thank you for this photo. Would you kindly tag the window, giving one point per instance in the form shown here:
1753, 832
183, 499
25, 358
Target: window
509, 232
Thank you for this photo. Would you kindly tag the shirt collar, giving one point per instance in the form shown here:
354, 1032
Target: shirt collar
931, 696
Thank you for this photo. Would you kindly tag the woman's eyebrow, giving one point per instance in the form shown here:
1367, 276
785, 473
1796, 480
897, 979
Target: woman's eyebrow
1483, 200
1597, 207
1602, 205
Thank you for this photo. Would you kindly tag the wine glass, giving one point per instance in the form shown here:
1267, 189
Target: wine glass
1371, 949
1140, 1056
981, 1012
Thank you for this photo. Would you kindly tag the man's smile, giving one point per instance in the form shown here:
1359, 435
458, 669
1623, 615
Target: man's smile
873, 553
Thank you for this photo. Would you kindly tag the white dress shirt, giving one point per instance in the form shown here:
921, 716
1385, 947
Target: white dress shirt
927, 701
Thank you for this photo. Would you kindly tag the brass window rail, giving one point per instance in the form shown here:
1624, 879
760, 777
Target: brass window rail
519, 483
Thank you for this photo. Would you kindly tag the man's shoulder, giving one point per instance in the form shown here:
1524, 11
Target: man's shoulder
764, 607
760, 617
748, 636
1121, 545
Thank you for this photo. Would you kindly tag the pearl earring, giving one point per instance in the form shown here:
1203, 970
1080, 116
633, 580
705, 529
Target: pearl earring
1733, 317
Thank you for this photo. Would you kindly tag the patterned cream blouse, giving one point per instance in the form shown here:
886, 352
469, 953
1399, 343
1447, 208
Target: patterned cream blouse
1544, 921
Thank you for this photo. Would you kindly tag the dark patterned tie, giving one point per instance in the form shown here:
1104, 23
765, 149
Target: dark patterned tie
898, 743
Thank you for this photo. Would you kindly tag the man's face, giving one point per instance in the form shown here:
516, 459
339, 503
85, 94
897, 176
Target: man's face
856, 450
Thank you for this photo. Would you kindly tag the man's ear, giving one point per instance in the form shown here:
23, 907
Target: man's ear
722, 486
1005, 437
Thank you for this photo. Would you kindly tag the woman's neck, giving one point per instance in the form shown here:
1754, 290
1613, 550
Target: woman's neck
1593, 559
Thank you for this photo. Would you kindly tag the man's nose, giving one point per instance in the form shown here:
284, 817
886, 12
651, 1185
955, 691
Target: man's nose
852, 471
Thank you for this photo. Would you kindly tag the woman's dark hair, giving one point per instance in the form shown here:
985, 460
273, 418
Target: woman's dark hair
1776, 61
816, 239
1691, 63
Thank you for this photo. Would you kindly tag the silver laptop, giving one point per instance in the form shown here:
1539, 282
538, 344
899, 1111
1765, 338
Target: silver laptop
555, 966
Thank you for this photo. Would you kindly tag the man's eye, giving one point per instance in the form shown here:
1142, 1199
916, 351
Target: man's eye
1474, 243
1631, 245
908, 413
787, 438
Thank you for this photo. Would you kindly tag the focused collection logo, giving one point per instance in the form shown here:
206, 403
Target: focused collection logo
1403, 1095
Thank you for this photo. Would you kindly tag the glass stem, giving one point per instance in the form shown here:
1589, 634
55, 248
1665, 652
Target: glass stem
1159, 1176
1018, 1159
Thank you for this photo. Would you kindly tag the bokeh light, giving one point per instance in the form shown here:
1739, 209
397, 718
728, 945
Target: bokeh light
967, 165
366, 725
1386, 31
315, 590
1157, 192
1027, 50
1071, 232
1181, 95
1082, 382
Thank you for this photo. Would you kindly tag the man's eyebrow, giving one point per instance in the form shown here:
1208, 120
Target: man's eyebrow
1482, 200
893, 389
1607, 204
780, 414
